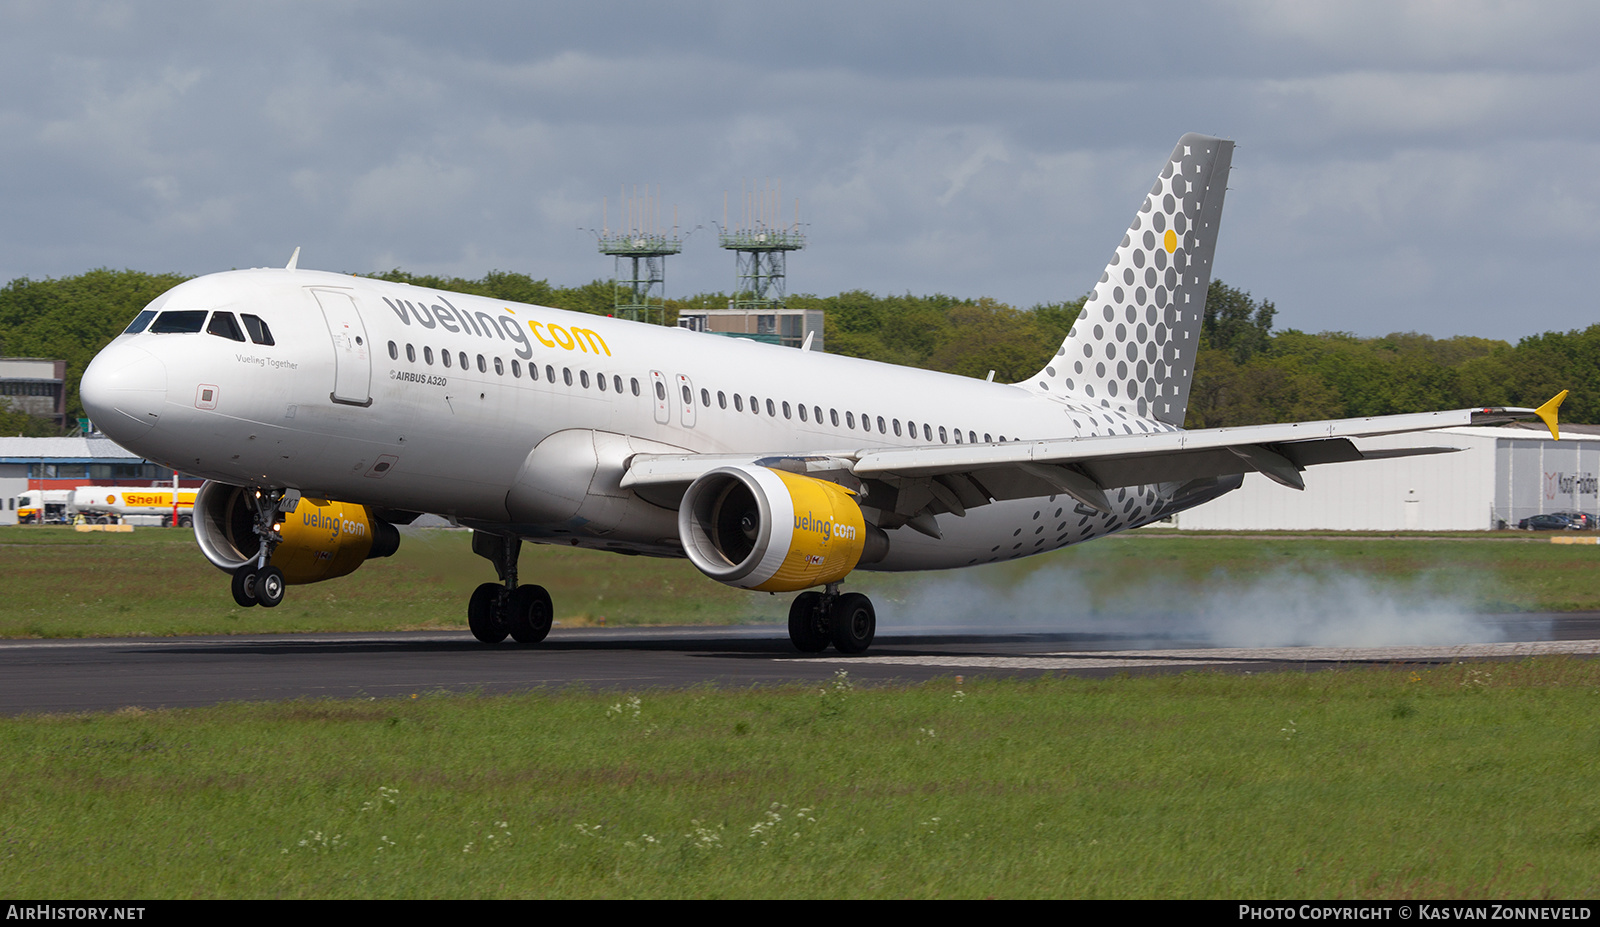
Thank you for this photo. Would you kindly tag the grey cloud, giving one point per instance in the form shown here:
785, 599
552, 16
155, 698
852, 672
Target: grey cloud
1400, 166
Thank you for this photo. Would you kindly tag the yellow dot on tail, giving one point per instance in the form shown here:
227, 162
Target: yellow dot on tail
1170, 241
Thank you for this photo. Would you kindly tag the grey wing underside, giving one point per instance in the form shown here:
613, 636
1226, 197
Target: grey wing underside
909, 485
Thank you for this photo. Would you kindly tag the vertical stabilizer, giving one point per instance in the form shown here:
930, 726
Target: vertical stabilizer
1133, 347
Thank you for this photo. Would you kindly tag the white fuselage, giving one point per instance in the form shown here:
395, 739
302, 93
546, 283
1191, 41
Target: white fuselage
359, 405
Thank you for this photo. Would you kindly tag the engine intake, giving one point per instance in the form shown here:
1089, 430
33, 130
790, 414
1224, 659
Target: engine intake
758, 528
319, 541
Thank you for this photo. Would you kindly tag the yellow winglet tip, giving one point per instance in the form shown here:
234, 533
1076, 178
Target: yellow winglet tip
1547, 413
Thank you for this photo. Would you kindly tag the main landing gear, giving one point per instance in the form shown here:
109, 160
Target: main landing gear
817, 619
505, 608
256, 583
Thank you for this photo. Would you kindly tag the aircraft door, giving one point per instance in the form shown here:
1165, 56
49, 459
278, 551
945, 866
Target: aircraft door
352, 359
658, 395
685, 399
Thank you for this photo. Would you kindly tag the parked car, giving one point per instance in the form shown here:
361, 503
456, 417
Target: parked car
1547, 522
1581, 521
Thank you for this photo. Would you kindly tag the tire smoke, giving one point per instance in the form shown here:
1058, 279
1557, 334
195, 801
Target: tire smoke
1289, 607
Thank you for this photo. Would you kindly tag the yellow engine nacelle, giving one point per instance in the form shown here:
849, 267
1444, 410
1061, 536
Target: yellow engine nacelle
319, 541
759, 528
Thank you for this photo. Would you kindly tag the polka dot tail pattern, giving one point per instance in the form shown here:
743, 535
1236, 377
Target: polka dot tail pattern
1131, 352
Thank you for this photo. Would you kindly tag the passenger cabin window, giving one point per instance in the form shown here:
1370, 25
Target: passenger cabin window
786, 410
722, 399
445, 356
516, 368
465, 364
259, 332
139, 322
942, 438
427, 355
634, 382
411, 354
499, 367
179, 322
616, 381
738, 403
394, 351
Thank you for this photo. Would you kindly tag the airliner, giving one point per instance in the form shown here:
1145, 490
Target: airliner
324, 409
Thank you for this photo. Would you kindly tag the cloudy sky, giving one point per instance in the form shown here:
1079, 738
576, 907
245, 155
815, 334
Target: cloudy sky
1426, 166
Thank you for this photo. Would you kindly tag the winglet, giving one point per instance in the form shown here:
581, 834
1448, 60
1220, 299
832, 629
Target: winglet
294, 259
1547, 413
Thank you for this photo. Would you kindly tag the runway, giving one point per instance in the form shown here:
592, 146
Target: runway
44, 676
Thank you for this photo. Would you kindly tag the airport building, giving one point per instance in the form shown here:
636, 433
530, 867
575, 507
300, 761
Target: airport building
1498, 477
67, 463
774, 324
35, 385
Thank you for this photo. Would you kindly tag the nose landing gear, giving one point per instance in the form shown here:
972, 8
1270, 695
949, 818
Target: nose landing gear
817, 619
244, 586
257, 583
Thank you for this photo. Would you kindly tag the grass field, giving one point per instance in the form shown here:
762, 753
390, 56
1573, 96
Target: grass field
59, 583
1470, 780
1463, 781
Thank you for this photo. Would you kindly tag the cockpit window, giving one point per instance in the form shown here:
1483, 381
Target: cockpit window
259, 332
139, 322
179, 322
224, 325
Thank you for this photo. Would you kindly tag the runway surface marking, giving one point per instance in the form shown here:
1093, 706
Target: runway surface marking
1110, 659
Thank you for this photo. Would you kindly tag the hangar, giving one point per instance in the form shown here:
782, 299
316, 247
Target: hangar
1497, 478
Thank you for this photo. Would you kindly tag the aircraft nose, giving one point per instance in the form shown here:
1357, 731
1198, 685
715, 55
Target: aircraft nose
123, 391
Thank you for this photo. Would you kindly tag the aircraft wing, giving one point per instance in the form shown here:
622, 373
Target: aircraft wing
1084, 468
952, 478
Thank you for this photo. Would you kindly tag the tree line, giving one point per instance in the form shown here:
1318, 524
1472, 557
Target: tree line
1245, 373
